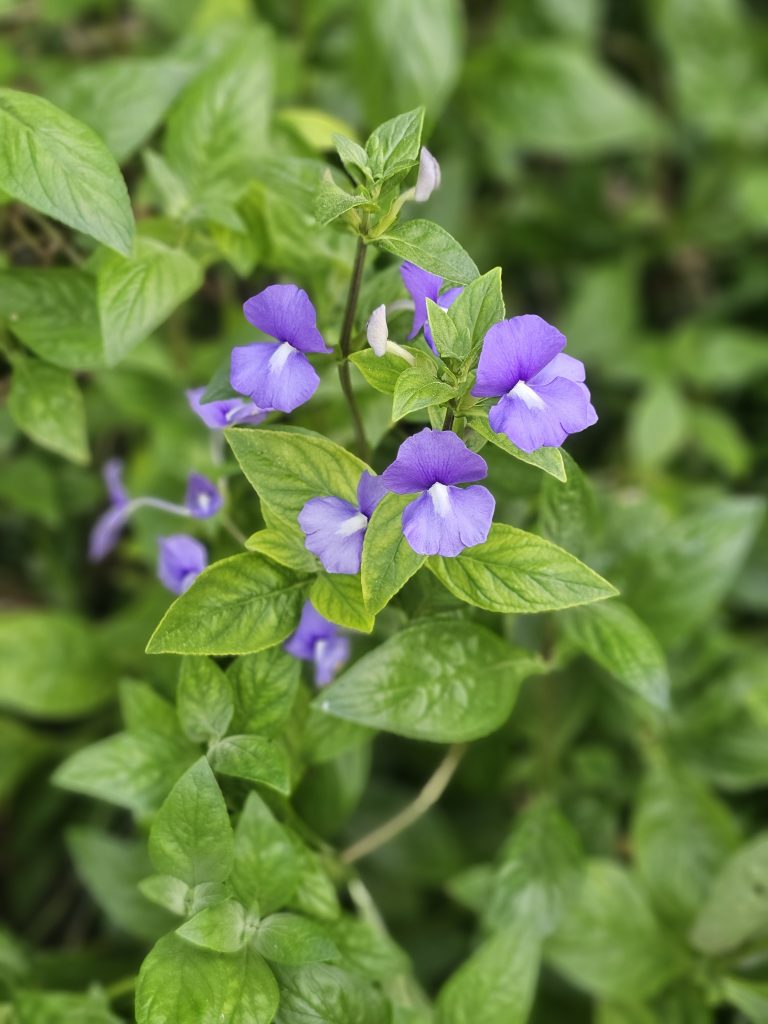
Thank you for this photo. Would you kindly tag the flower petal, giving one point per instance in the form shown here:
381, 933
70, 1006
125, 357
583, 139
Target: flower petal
274, 376
433, 456
202, 498
515, 350
330, 655
377, 331
106, 531
285, 312
422, 286
370, 490
543, 416
225, 412
311, 628
112, 472
429, 176
180, 561
561, 366
444, 522
334, 531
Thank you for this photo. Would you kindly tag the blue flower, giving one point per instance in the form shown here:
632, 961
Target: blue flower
422, 286
335, 528
180, 560
321, 642
226, 412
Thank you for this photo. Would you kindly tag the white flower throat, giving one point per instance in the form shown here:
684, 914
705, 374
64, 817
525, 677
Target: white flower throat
527, 395
441, 499
354, 524
279, 357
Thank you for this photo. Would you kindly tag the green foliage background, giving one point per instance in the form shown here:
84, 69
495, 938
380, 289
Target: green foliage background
600, 857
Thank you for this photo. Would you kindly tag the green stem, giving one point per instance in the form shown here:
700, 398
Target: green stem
344, 345
431, 792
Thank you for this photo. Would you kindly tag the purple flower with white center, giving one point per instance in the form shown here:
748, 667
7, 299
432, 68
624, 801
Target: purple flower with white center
444, 519
201, 501
279, 375
180, 560
319, 641
542, 390
429, 176
226, 412
422, 286
335, 528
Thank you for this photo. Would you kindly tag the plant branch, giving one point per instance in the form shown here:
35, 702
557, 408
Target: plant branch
431, 792
344, 345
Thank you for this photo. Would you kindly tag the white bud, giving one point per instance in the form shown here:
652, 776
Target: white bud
377, 331
429, 176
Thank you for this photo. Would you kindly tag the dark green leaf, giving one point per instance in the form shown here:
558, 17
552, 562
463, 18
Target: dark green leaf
292, 939
204, 699
254, 758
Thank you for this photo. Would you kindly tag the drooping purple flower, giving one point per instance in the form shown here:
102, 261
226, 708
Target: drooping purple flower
279, 376
319, 641
202, 498
422, 286
444, 519
335, 528
542, 390
226, 412
180, 560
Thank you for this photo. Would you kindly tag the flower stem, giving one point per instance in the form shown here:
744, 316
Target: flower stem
431, 792
344, 345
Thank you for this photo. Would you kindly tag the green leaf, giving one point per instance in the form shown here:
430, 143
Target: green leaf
221, 927
266, 866
179, 982
500, 977
315, 893
49, 665
609, 942
567, 514
264, 687
139, 292
339, 597
292, 939
751, 997
430, 247
681, 836
540, 869
550, 460
444, 332
47, 405
736, 908
254, 758
191, 837
62, 1008
220, 125
332, 202
419, 388
445, 681
381, 372
658, 425
60, 167
367, 949
145, 711
324, 994
613, 636
394, 146
54, 313
287, 467
239, 605
168, 892
204, 700
516, 571
388, 560
353, 156
284, 546
479, 306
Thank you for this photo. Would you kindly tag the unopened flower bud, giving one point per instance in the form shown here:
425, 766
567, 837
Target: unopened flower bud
429, 176
378, 331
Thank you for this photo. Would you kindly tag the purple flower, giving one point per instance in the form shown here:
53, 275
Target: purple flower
279, 376
542, 390
422, 286
225, 413
180, 560
335, 528
445, 518
319, 641
202, 499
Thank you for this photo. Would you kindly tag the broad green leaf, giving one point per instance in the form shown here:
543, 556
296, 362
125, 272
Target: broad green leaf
444, 681
264, 687
204, 700
430, 247
749, 996
179, 982
394, 146
324, 994
292, 939
284, 546
288, 467
239, 605
381, 372
57, 165
736, 908
254, 758
366, 948
500, 977
46, 403
479, 306
681, 836
54, 313
144, 711
445, 335
516, 571
613, 636
550, 460
139, 292
191, 837
658, 425
539, 871
123, 99
567, 514
315, 893
49, 666
418, 388
332, 202
316, 128
339, 597
326, 739
266, 866
168, 892
353, 157
220, 927
388, 561
62, 1008
609, 942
